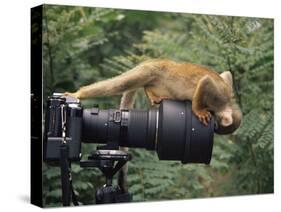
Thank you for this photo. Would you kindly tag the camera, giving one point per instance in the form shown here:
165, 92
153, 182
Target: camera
172, 130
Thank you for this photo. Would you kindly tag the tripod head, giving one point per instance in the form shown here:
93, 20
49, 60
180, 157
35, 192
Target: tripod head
109, 162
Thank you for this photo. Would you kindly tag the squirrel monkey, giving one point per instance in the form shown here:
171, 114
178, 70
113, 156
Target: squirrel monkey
211, 93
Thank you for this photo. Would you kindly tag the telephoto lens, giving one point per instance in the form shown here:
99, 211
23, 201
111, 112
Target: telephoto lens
171, 130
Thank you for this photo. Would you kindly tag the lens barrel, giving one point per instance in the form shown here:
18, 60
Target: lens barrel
128, 128
172, 130
141, 129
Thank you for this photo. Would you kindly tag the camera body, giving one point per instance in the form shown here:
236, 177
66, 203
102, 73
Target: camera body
63, 124
171, 130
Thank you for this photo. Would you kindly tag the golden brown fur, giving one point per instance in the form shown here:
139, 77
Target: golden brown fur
165, 79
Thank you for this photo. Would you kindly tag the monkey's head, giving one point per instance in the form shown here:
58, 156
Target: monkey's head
227, 113
222, 125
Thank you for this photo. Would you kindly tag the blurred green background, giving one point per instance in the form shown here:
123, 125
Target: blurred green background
84, 45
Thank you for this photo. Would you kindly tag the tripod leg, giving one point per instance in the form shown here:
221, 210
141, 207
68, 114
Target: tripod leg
65, 175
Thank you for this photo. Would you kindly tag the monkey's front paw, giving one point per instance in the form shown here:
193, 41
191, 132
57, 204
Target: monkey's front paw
75, 95
204, 116
158, 100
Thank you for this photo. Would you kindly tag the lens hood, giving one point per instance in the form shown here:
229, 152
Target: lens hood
181, 136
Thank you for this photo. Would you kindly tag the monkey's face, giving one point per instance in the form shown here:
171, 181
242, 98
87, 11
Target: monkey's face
224, 117
236, 121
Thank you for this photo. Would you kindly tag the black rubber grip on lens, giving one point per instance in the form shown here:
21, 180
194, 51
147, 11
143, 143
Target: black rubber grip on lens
137, 128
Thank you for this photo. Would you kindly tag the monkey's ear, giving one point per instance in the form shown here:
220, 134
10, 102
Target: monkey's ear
227, 76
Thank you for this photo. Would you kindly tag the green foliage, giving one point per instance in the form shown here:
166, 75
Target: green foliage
85, 45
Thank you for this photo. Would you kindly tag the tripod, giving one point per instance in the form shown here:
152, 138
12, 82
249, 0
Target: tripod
109, 162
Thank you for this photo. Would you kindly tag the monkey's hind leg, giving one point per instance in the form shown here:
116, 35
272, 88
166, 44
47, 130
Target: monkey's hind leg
203, 92
127, 102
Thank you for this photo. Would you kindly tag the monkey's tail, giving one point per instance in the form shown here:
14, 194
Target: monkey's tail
127, 102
